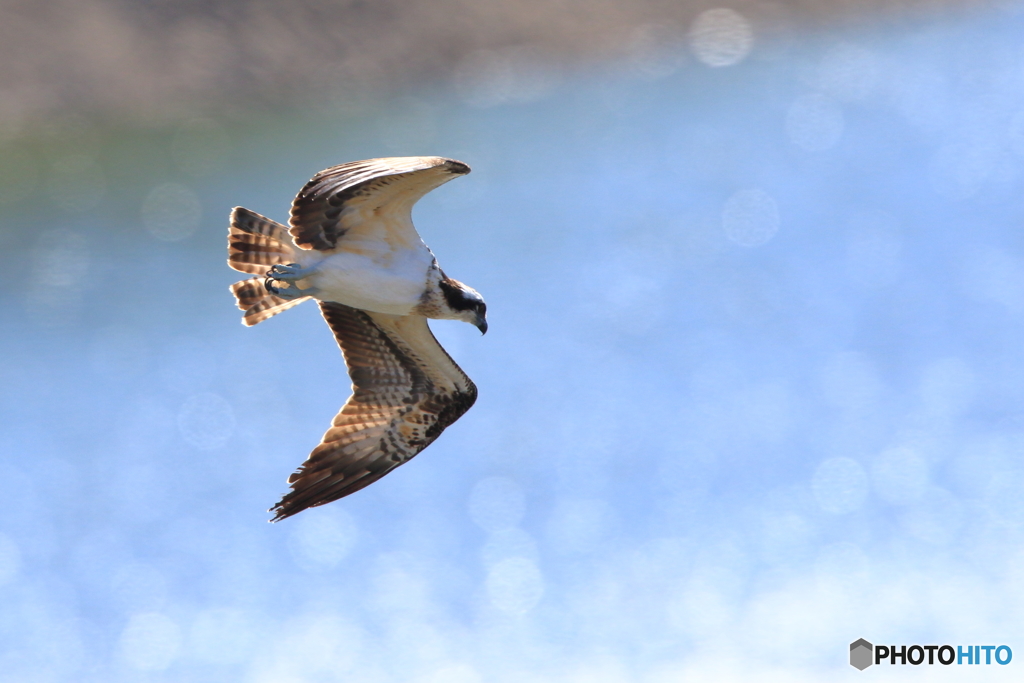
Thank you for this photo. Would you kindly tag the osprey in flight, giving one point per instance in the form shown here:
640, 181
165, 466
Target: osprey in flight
352, 247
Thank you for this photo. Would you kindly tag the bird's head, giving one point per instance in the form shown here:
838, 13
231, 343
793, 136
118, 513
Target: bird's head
464, 303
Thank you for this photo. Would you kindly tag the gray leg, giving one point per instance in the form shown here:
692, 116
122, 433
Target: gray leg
289, 274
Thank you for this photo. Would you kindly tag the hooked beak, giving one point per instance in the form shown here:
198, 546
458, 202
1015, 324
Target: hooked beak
481, 323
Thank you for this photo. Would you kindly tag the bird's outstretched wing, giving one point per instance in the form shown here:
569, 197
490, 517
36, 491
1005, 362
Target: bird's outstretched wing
369, 199
405, 390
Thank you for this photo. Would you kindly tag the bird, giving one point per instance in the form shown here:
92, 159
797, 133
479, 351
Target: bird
351, 246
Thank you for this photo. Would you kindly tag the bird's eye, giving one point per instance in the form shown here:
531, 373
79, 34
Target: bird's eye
482, 307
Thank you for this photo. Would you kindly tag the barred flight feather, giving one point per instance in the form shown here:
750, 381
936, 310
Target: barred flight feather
330, 204
405, 391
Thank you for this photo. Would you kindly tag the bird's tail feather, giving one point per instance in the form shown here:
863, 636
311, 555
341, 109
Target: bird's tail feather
257, 302
255, 243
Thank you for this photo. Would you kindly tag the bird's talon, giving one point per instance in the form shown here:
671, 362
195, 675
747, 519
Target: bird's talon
287, 272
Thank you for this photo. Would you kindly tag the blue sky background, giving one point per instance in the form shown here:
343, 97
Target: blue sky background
752, 387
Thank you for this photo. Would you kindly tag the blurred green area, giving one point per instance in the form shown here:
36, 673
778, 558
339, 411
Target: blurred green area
71, 167
104, 99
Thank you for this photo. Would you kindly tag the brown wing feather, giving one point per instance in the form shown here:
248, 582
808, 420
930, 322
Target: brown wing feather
405, 391
339, 198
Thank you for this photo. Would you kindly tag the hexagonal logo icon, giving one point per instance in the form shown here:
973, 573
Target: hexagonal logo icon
861, 654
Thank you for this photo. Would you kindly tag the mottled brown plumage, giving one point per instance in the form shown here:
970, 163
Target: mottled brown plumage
405, 391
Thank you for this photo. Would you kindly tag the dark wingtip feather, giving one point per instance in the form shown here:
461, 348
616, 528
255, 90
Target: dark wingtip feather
457, 167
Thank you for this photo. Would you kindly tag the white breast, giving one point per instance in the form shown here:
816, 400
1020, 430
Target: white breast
370, 275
